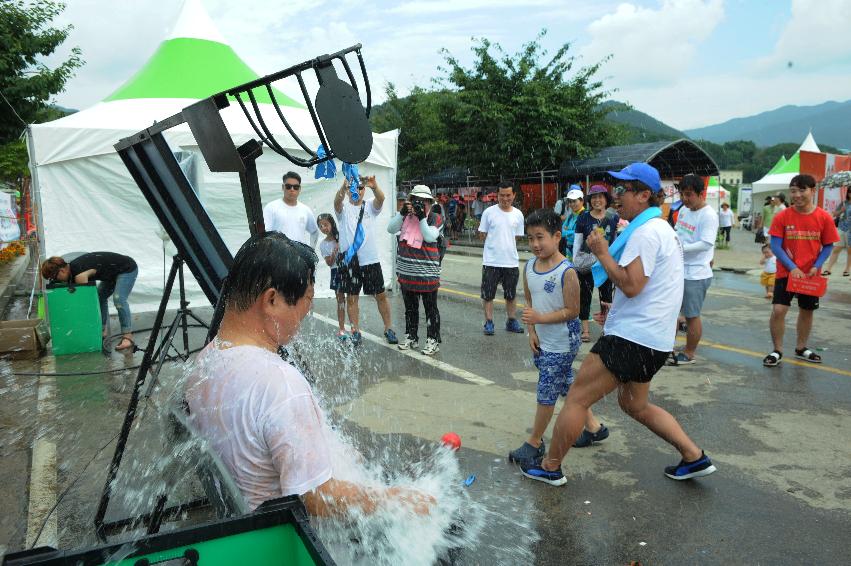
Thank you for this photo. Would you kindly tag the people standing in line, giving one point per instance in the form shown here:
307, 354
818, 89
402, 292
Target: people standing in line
575, 207
697, 228
116, 274
289, 216
418, 266
725, 222
596, 217
769, 270
842, 216
646, 267
329, 249
363, 271
551, 288
500, 227
802, 238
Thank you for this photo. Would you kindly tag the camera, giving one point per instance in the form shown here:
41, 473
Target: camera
418, 207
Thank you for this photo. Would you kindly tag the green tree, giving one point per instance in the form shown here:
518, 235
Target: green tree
27, 84
520, 113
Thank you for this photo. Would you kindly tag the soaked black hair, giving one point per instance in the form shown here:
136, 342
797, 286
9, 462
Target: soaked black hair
330, 219
269, 260
692, 182
546, 218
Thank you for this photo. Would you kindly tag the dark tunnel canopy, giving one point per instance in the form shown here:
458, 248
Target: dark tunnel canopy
672, 159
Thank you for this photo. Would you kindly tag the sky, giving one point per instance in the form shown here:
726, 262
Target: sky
689, 63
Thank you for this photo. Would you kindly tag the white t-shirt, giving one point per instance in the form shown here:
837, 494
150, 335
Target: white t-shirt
697, 226
725, 218
770, 265
500, 244
650, 318
347, 223
326, 247
259, 415
297, 222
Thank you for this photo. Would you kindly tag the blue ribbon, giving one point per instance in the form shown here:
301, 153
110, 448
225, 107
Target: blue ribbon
326, 169
616, 249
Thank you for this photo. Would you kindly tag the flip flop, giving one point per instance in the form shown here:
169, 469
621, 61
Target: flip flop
807, 355
772, 359
845, 274
825, 273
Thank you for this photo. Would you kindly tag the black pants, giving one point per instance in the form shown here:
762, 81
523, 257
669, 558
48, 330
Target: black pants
586, 290
412, 314
726, 231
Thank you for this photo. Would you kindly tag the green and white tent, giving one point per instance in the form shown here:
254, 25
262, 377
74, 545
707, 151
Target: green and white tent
88, 201
777, 180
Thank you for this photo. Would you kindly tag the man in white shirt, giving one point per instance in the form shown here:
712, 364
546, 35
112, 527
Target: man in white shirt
697, 228
364, 272
257, 412
638, 331
500, 227
290, 217
725, 221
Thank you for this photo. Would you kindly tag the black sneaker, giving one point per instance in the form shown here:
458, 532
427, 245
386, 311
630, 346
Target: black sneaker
534, 471
688, 470
587, 438
527, 453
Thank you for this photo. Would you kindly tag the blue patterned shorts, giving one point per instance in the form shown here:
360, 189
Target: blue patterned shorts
555, 375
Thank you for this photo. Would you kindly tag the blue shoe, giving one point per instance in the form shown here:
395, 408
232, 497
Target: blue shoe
527, 454
488, 328
391, 336
587, 438
534, 471
356, 338
688, 470
511, 325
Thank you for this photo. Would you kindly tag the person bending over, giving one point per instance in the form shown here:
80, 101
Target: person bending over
257, 411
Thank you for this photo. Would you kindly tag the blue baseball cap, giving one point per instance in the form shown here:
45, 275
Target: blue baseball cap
642, 172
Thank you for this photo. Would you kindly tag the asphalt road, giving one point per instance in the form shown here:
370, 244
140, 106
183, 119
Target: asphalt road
779, 437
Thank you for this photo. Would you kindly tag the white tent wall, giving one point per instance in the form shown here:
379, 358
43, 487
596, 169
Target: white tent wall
775, 183
89, 202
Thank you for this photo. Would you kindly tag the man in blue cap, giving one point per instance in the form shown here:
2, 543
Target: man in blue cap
645, 264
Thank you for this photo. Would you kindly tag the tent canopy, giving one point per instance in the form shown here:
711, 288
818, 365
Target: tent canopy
671, 159
89, 202
778, 178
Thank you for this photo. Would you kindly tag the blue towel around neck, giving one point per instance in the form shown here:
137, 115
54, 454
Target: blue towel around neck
356, 244
616, 249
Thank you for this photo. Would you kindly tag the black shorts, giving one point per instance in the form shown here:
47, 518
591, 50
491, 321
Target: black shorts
627, 360
505, 276
354, 276
784, 297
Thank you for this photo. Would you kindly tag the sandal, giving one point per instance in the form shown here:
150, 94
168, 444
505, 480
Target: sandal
845, 274
825, 273
772, 359
807, 355
130, 344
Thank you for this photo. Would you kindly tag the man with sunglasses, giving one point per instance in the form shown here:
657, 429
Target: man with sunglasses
290, 217
645, 264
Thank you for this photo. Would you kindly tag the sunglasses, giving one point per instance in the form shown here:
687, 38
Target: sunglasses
292, 187
620, 190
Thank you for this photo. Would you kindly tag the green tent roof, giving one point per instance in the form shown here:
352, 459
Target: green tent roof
780, 163
793, 165
193, 68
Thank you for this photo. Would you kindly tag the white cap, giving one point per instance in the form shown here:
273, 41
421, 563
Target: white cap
575, 194
421, 191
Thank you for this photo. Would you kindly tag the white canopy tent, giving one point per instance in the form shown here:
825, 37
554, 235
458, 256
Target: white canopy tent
88, 201
777, 180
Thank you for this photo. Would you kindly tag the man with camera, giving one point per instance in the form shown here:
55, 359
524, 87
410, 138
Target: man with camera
363, 270
418, 266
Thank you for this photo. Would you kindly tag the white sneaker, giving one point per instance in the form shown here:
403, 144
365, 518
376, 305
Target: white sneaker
407, 343
431, 347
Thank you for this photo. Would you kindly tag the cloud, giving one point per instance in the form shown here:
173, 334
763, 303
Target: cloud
815, 37
448, 6
651, 46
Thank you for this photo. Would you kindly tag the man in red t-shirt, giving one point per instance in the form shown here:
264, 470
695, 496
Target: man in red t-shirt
802, 238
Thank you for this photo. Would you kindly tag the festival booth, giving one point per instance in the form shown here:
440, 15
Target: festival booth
777, 179
716, 193
88, 201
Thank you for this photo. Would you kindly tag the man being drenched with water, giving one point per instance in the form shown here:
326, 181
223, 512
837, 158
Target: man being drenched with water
257, 411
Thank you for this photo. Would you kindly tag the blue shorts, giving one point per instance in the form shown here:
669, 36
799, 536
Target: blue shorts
335, 279
555, 375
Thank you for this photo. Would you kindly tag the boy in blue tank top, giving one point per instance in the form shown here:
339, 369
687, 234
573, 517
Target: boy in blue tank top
551, 288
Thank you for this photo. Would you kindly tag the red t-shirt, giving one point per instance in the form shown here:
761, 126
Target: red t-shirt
804, 235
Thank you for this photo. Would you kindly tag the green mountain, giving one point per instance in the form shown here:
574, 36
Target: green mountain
638, 126
829, 123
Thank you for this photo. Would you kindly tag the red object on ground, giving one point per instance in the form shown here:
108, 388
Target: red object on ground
815, 285
451, 440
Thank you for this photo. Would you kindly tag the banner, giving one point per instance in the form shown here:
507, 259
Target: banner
745, 202
9, 229
832, 198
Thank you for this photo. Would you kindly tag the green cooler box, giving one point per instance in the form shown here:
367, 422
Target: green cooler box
74, 318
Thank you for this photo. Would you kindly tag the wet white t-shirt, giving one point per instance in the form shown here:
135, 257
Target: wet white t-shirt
698, 226
502, 228
347, 222
650, 318
260, 417
297, 222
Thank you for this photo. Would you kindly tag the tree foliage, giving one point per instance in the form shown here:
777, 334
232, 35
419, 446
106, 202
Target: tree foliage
26, 83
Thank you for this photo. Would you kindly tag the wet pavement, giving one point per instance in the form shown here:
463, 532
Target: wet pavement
779, 436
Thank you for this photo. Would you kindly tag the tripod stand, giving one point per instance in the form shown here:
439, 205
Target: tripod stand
153, 360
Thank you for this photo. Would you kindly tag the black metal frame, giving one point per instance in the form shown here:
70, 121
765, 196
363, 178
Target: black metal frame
153, 166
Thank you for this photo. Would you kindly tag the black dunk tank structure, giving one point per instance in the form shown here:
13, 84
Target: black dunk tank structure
278, 531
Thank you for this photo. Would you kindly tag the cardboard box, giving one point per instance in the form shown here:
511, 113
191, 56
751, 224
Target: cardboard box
23, 339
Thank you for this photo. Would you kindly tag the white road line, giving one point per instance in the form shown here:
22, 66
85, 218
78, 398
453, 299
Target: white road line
443, 366
43, 477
